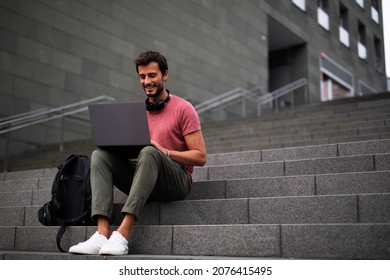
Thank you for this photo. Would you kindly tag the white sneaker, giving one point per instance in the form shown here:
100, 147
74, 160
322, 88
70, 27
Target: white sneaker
116, 245
91, 246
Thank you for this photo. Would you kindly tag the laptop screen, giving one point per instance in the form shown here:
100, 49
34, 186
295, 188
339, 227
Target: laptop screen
120, 127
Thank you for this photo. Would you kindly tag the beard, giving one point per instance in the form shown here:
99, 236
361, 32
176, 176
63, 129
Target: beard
155, 91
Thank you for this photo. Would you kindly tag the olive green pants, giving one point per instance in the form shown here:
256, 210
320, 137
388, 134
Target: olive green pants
153, 177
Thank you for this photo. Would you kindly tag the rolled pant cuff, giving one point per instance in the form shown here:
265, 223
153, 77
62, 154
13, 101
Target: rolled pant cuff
100, 213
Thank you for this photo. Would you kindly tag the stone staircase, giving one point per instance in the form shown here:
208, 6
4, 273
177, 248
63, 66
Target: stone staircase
354, 119
314, 202
318, 187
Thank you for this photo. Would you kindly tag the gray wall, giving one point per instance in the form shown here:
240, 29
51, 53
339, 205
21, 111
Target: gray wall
56, 52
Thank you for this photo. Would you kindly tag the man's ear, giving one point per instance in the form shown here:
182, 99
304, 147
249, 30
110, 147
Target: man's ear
165, 77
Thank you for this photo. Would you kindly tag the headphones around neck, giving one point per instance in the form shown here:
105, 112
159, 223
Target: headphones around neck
158, 105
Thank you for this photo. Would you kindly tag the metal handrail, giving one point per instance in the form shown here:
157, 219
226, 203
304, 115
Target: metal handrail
30, 118
227, 97
23, 120
284, 90
255, 94
3, 120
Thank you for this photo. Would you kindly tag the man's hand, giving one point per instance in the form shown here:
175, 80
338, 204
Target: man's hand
195, 155
157, 145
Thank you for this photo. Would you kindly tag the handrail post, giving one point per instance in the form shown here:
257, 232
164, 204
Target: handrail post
62, 135
258, 107
305, 88
292, 100
243, 107
6, 155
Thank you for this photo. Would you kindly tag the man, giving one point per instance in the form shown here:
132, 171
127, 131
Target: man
162, 172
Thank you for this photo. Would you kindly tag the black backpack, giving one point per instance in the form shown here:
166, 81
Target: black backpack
71, 197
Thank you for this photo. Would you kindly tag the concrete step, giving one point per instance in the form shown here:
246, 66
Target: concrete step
26, 255
343, 164
275, 178
266, 155
306, 241
329, 108
287, 136
317, 209
298, 125
306, 117
371, 121
348, 120
326, 201
323, 184
287, 142
304, 152
320, 184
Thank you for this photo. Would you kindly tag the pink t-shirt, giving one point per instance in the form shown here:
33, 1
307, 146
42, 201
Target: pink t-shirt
169, 126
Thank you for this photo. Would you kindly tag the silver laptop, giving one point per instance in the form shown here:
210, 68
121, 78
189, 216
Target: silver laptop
120, 127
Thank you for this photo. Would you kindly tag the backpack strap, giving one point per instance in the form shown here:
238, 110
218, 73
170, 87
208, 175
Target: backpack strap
60, 233
57, 178
64, 224
87, 173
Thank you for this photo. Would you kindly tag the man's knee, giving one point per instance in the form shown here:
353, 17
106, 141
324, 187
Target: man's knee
149, 151
98, 156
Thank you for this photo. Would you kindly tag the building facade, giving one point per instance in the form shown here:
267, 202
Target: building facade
57, 52
336, 45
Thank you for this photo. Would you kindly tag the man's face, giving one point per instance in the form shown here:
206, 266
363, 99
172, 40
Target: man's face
151, 79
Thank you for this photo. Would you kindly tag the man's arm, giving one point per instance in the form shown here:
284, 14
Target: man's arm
196, 154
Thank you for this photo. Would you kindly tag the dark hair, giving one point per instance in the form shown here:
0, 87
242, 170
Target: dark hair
151, 56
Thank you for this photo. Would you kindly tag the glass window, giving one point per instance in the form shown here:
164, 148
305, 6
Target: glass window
378, 59
300, 3
322, 13
362, 50
344, 25
375, 10
360, 3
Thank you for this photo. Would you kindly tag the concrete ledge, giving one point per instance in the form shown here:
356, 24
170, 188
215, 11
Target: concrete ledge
198, 212
382, 162
356, 241
31, 216
271, 187
234, 158
208, 190
227, 240
374, 208
364, 148
272, 210
330, 165
30, 174
155, 240
16, 199
307, 152
25, 255
12, 216
255, 170
44, 238
307, 241
348, 164
7, 240
353, 183
303, 210
19, 185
